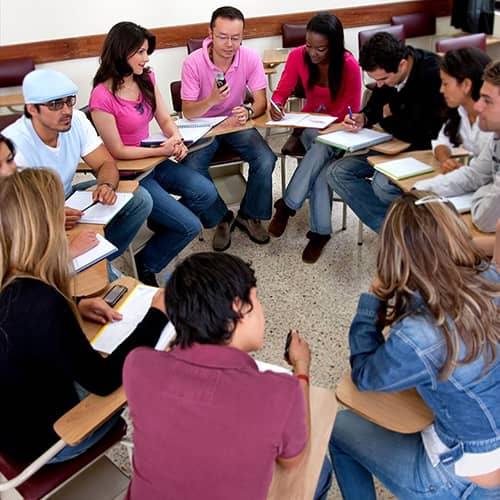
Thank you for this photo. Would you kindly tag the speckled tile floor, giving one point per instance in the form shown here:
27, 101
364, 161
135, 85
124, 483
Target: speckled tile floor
318, 299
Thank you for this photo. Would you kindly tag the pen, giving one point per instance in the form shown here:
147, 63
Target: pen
349, 111
90, 206
277, 108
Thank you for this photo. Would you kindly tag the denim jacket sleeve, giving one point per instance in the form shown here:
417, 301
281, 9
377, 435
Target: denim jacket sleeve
378, 364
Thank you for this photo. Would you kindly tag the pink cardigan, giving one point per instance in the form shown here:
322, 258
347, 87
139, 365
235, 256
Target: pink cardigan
318, 98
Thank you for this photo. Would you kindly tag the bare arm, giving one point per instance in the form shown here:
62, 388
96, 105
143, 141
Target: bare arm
195, 109
300, 359
106, 173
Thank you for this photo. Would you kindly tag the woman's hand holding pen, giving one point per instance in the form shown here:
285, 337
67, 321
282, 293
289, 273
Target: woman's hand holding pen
276, 111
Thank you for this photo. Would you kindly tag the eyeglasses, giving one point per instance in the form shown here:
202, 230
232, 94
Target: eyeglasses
432, 199
225, 38
58, 104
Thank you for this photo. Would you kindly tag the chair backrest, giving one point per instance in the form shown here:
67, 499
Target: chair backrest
293, 34
396, 31
193, 44
13, 71
416, 24
6, 120
175, 93
477, 40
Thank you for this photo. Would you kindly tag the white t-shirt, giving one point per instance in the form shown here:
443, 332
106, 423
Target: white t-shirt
77, 142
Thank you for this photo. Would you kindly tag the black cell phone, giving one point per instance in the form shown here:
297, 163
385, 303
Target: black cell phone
114, 295
287, 346
220, 80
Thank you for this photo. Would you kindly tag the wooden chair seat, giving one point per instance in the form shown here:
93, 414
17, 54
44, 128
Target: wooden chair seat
49, 477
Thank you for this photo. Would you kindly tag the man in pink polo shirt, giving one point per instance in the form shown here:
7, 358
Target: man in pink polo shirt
207, 423
241, 67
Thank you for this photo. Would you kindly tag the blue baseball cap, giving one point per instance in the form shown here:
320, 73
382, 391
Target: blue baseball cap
45, 85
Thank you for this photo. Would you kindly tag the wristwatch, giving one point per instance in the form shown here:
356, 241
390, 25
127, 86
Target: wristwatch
249, 108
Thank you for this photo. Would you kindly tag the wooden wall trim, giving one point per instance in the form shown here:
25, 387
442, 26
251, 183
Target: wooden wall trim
256, 27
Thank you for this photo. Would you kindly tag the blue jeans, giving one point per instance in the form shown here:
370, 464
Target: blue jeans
309, 180
249, 144
324, 481
175, 222
369, 199
360, 448
122, 229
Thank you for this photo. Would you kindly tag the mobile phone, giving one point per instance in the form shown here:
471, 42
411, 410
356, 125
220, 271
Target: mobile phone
220, 80
287, 346
114, 295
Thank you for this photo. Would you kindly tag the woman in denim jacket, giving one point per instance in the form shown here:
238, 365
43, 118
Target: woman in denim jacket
441, 301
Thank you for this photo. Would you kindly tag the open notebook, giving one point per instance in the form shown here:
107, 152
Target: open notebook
98, 213
191, 131
354, 141
133, 309
303, 120
463, 202
94, 255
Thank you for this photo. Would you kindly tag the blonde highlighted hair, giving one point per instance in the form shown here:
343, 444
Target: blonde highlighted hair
426, 247
33, 242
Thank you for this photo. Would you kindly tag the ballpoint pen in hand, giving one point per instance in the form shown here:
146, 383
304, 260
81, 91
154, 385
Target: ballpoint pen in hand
90, 206
277, 108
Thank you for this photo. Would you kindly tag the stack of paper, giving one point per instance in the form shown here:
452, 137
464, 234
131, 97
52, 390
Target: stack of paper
94, 255
354, 141
403, 168
98, 213
303, 120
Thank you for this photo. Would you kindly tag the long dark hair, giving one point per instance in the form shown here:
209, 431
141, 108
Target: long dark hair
329, 26
461, 64
124, 39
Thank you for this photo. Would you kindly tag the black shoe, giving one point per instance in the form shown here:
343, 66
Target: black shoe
144, 274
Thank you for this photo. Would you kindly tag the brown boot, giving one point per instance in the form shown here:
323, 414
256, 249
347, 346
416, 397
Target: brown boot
315, 246
279, 221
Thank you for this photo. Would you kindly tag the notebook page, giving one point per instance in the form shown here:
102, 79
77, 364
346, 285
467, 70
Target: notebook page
99, 213
133, 309
90, 257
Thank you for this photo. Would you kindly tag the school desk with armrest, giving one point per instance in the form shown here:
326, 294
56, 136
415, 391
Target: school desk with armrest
428, 158
90, 475
404, 411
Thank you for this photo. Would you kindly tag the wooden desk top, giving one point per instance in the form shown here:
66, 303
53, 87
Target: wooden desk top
275, 57
300, 483
140, 165
407, 184
89, 328
403, 412
94, 279
229, 126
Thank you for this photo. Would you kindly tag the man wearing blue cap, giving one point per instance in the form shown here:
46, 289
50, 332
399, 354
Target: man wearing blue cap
52, 134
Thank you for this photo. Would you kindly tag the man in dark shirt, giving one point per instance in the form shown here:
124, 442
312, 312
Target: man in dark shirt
406, 102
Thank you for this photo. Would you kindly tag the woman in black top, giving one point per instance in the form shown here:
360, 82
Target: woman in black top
43, 350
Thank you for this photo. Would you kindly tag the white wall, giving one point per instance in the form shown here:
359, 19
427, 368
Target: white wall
28, 20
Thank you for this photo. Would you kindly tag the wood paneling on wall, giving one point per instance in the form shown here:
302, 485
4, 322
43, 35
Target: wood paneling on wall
256, 27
